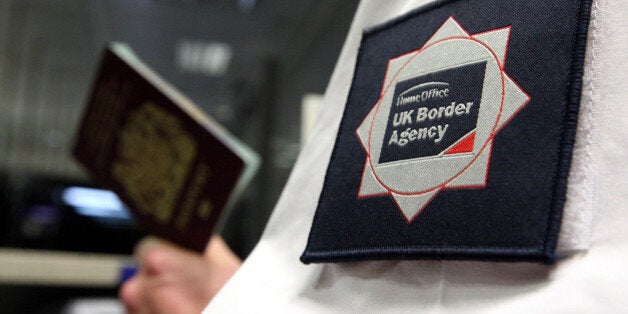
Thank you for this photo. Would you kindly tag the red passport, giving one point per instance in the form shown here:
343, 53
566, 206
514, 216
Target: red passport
175, 167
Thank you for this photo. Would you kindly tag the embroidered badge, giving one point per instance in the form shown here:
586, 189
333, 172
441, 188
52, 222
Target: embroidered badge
440, 108
456, 136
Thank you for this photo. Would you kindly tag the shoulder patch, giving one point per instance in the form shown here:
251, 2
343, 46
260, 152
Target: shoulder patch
456, 138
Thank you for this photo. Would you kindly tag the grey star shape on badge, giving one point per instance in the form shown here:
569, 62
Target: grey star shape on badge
413, 183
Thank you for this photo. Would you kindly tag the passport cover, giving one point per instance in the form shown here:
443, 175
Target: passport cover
174, 167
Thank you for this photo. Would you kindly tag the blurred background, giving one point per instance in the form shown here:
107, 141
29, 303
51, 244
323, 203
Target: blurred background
257, 66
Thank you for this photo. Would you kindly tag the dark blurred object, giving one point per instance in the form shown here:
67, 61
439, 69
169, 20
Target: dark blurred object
5, 221
56, 214
49, 300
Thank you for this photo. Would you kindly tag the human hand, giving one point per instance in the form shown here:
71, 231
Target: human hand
173, 280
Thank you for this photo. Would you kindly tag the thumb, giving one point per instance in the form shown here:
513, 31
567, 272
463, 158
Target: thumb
153, 255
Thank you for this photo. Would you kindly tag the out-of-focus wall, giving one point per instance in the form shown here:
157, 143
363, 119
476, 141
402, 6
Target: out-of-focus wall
278, 51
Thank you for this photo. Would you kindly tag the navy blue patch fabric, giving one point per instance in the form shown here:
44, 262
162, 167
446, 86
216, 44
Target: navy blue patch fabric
457, 135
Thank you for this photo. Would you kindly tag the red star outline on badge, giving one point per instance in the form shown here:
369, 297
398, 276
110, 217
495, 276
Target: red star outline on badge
457, 171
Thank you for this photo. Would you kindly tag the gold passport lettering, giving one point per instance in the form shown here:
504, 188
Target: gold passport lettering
109, 101
194, 192
205, 209
154, 157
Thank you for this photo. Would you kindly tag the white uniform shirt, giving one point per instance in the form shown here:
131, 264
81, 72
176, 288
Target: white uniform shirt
594, 231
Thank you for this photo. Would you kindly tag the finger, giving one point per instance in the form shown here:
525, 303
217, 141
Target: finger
157, 260
146, 244
217, 250
155, 256
130, 294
